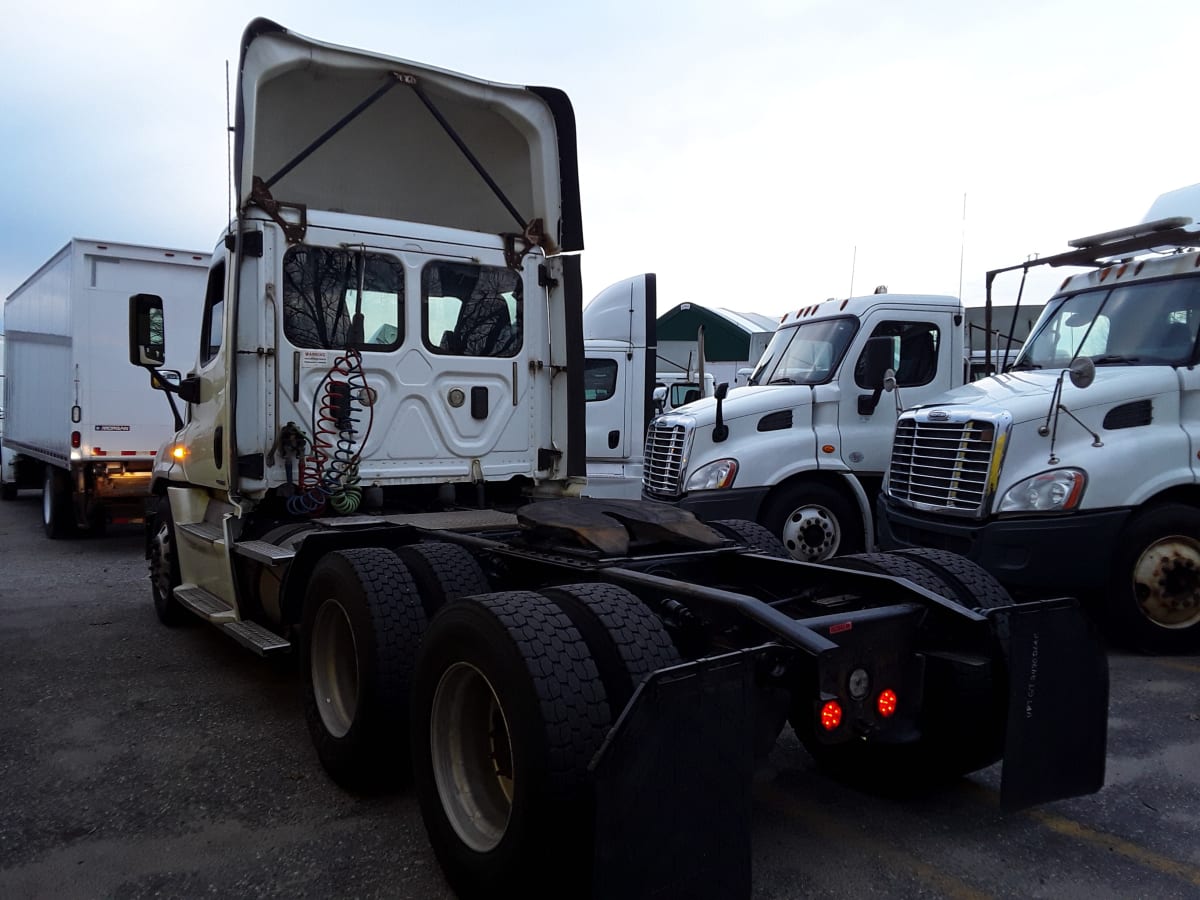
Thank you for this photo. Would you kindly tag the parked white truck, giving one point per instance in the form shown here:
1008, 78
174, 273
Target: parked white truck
621, 387
1076, 472
802, 448
78, 422
577, 686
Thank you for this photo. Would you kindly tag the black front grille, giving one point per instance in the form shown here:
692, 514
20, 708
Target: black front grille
663, 465
942, 464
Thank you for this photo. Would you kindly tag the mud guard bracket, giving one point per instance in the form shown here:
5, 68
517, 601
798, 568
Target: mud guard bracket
673, 786
1057, 734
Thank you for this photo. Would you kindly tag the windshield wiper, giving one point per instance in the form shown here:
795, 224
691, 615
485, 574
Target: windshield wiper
1116, 358
784, 380
1025, 364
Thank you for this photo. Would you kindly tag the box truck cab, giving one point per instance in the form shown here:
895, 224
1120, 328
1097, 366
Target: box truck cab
803, 447
1077, 470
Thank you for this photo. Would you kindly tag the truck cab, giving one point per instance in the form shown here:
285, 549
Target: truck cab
803, 446
1076, 471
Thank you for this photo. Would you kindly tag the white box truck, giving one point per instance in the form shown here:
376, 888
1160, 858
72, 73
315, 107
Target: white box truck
79, 422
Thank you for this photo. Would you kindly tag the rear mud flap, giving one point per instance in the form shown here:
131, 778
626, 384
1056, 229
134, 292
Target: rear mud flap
1057, 733
673, 786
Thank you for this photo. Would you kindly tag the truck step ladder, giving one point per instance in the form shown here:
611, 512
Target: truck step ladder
265, 553
205, 604
205, 531
261, 640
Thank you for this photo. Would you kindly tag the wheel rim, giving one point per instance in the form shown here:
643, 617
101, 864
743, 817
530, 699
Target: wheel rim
334, 667
1166, 582
160, 562
811, 533
472, 756
48, 499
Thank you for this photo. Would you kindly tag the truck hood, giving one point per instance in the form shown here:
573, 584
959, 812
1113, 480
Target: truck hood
338, 129
752, 400
1025, 395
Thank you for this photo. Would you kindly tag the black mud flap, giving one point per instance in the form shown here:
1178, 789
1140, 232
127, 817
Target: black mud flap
1057, 734
673, 786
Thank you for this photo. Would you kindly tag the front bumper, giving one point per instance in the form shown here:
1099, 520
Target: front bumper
1059, 554
731, 503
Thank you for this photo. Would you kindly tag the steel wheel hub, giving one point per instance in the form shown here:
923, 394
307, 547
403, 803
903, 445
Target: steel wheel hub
811, 533
334, 667
471, 748
1166, 582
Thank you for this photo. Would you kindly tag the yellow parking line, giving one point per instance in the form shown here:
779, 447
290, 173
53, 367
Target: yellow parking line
944, 883
1128, 849
1175, 664
1070, 828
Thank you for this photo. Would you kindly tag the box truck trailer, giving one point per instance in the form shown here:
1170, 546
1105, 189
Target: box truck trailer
79, 422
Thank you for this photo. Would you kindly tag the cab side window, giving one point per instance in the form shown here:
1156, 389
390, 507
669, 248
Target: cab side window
914, 353
213, 325
599, 379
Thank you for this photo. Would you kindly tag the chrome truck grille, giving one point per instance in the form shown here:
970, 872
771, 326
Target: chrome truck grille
666, 453
943, 462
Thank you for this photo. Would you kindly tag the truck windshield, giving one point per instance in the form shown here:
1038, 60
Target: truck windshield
1148, 324
805, 354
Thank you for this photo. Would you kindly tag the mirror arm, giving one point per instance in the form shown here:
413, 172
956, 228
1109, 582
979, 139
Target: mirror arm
161, 384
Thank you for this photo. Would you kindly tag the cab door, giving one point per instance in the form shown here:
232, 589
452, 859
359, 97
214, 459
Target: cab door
918, 346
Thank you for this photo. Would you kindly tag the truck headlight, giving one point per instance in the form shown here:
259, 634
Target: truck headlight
719, 474
1056, 491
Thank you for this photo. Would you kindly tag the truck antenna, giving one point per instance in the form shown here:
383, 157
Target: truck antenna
962, 244
228, 151
853, 263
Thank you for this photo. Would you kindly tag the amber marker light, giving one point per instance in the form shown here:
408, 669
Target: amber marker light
886, 704
178, 452
831, 715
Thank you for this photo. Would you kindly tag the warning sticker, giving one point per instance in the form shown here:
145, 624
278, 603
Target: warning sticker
112, 427
310, 359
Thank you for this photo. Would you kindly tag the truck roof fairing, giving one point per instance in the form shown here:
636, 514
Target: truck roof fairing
333, 128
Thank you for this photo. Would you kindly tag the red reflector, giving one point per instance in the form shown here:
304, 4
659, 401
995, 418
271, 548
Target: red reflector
76, 440
886, 702
96, 451
129, 453
840, 627
831, 715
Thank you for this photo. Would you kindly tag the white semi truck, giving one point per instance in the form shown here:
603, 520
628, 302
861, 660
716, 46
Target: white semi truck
621, 387
1076, 471
803, 447
79, 423
378, 469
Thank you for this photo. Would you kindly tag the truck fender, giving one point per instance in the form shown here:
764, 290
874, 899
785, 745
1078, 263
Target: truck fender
864, 509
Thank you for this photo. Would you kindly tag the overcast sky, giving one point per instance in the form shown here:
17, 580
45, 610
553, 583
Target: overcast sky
758, 155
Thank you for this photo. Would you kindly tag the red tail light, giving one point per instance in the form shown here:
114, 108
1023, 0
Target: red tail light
831, 715
76, 439
886, 704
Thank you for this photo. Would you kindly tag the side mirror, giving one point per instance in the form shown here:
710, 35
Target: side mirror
660, 398
147, 331
889, 380
1082, 371
878, 356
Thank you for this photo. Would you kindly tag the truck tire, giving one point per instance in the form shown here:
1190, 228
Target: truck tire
963, 712
443, 572
814, 522
1154, 588
751, 534
898, 567
974, 586
58, 513
508, 710
362, 625
626, 640
164, 568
